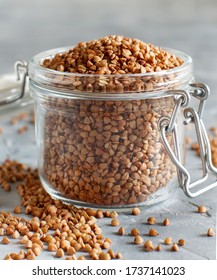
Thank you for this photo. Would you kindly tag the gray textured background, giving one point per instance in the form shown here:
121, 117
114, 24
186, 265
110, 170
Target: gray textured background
28, 27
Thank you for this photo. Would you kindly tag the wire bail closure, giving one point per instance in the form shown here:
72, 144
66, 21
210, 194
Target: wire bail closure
21, 72
168, 125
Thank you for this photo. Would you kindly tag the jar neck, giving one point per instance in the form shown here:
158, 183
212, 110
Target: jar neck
147, 85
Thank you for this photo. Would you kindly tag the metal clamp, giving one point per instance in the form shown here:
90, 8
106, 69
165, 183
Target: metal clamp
182, 99
21, 72
201, 92
168, 125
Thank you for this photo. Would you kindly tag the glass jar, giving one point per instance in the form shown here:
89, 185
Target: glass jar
98, 136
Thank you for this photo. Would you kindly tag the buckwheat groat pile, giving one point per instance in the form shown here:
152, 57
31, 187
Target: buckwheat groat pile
63, 230
113, 55
108, 152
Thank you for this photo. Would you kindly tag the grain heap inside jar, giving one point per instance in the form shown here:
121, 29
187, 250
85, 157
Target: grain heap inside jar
108, 152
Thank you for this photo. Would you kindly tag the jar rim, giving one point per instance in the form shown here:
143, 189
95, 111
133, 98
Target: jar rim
36, 61
61, 84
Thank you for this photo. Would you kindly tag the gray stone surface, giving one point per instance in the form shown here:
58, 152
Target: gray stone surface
28, 27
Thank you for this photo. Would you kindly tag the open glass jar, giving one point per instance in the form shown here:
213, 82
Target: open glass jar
114, 141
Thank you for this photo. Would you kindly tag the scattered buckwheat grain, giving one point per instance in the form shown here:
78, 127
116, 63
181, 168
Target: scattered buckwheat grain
153, 232
134, 232
148, 245
201, 209
5, 240
211, 232
181, 242
158, 248
136, 211
166, 222
168, 241
138, 240
115, 222
17, 210
175, 248
121, 231
151, 221
59, 253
